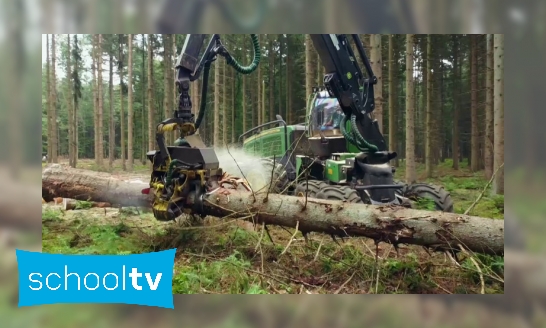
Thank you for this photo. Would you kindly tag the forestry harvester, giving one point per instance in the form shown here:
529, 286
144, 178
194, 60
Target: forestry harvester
338, 153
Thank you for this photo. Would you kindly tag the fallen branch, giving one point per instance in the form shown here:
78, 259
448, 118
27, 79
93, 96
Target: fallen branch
482, 290
397, 225
291, 239
484, 190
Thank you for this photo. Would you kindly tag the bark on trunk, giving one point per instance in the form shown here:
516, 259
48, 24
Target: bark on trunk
392, 97
410, 111
377, 65
498, 105
243, 103
489, 118
111, 131
100, 121
130, 113
428, 116
474, 106
150, 86
437, 230
54, 127
456, 91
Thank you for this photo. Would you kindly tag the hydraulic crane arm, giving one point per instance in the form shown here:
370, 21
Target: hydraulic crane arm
354, 90
344, 80
188, 69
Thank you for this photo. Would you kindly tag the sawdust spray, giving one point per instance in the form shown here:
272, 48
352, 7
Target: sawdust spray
243, 165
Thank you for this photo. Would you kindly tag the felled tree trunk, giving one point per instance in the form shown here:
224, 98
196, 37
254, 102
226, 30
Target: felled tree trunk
436, 230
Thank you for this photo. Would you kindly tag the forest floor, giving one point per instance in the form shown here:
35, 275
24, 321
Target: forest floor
218, 257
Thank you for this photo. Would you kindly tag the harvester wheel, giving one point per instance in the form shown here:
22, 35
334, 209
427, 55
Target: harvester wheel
312, 187
342, 193
441, 197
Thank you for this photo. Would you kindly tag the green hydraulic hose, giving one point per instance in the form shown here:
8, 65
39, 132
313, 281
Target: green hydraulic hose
250, 68
355, 137
170, 171
359, 138
233, 63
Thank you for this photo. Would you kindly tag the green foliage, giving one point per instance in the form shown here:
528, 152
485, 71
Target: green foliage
225, 275
491, 266
82, 204
51, 215
424, 203
255, 289
79, 238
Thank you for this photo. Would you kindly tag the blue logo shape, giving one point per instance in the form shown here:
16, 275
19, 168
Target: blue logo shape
140, 279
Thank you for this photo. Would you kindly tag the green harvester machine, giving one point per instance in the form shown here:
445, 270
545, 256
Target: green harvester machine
314, 158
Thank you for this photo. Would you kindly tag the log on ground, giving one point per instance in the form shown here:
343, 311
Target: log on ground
436, 230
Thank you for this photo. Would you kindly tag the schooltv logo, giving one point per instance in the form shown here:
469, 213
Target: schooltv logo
140, 279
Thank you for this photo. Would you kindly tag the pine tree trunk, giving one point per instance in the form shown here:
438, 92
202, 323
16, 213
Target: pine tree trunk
489, 114
100, 117
216, 127
474, 143
167, 87
151, 111
410, 112
259, 86
377, 66
69, 105
95, 100
420, 94
281, 89
393, 67
244, 88
271, 87
309, 67
263, 101
121, 108
233, 79
436, 102
54, 127
498, 183
170, 87
439, 131
174, 90
318, 66
288, 80
254, 90
456, 91
224, 105
130, 114
143, 116
428, 119
49, 101
111, 131
75, 148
